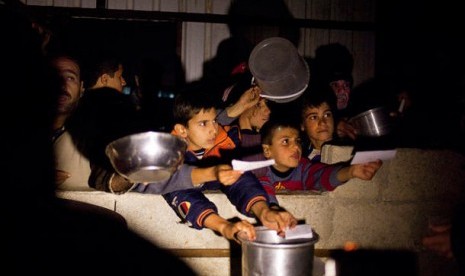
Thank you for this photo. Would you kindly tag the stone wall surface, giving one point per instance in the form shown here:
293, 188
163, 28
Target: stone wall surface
389, 212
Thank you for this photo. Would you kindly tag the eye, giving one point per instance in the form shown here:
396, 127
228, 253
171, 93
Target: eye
203, 123
328, 114
285, 142
312, 117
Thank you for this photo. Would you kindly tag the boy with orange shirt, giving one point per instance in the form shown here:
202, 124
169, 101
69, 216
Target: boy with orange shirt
208, 142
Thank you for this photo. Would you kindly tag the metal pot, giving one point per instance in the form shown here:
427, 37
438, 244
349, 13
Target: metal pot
272, 255
279, 70
373, 122
146, 157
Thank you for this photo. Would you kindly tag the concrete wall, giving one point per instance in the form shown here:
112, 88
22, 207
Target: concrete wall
389, 212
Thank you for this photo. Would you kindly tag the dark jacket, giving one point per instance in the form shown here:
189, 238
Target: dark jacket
102, 116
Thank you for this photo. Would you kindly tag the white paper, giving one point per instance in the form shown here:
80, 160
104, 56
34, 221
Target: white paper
369, 156
240, 165
301, 231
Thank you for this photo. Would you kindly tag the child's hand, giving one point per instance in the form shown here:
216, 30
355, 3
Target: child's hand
439, 240
250, 97
231, 230
345, 129
226, 175
278, 220
365, 171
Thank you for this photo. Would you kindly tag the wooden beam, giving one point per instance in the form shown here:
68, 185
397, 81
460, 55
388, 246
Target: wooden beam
225, 253
197, 17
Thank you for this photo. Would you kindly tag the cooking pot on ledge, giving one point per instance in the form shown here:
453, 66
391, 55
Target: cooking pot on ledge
271, 255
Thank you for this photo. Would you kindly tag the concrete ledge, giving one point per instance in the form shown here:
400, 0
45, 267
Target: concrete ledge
389, 212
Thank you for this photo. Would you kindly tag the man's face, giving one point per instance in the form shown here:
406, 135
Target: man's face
202, 129
117, 81
71, 85
341, 89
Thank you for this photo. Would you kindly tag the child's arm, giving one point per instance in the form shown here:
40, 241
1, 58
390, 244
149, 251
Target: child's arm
362, 171
223, 173
229, 229
250, 98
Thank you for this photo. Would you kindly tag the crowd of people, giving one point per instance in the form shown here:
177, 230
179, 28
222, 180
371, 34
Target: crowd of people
214, 136
85, 110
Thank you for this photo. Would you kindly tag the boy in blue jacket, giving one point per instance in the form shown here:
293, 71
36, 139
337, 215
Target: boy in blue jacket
209, 143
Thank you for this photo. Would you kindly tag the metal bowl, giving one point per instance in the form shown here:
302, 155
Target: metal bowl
372, 123
146, 157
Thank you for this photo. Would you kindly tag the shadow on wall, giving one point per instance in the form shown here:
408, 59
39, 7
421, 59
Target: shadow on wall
251, 22
330, 61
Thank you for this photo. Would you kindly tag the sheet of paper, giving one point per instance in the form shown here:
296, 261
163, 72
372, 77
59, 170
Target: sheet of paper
240, 165
368, 156
301, 231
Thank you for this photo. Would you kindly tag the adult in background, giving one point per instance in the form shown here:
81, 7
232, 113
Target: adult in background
72, 168
104, 115
332, 68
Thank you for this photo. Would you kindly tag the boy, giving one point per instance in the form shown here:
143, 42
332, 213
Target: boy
249, 121
317, 122
281, 142
195, 121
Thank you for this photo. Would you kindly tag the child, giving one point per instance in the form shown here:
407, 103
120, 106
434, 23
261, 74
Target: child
317, 121
195, 121
281, 142
249, 121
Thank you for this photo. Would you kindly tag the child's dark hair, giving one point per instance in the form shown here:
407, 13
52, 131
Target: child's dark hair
269, 128
316, 97
195, 96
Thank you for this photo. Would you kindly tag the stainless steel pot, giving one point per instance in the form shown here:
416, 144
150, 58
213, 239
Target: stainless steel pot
373, 122
272, 255
278, 68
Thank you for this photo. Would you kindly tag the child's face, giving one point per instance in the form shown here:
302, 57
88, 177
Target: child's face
285, 148
201, 130
318, 124
258, 114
